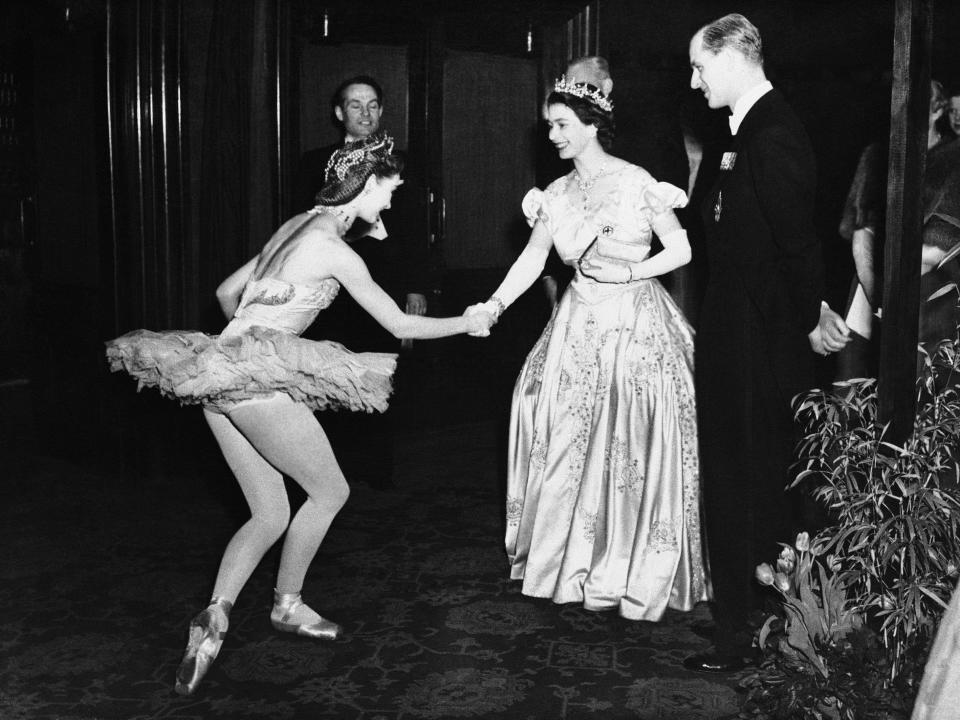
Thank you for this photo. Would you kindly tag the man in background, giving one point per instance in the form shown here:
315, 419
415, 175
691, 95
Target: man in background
953, 111
397, 262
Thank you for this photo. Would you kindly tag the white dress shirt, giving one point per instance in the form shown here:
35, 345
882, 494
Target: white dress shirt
747, 101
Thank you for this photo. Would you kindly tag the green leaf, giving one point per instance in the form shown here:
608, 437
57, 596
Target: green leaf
934, 597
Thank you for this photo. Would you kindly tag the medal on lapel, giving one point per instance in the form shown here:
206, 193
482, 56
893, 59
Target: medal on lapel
727, 162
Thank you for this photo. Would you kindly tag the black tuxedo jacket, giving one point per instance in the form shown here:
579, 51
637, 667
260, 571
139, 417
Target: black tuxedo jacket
766, 274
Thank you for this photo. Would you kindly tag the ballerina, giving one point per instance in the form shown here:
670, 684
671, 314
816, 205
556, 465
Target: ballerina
259, 384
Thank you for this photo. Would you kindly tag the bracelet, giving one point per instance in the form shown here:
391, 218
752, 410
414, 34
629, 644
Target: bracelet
499, 303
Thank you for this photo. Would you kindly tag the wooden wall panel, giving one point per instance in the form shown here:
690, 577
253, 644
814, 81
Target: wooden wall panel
909, 124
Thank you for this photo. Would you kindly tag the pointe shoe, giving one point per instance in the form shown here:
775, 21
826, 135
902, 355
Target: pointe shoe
203, 645
284, 607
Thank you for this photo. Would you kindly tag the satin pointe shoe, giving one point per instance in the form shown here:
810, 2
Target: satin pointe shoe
207, 631
285, 606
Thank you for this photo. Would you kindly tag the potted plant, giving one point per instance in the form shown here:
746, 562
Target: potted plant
863, 600
819, 658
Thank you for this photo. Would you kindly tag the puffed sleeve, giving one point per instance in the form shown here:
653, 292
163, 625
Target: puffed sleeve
659, 197
534, 208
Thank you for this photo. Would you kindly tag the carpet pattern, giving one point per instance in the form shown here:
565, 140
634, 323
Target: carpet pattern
99, 578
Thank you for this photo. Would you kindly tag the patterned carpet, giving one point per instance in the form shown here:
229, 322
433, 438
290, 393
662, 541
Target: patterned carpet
99, 577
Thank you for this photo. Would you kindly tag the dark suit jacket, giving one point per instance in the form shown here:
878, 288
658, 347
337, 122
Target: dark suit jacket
766, 268
399, 263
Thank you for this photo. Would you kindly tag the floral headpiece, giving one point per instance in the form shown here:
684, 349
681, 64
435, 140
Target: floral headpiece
583, 90
371, 148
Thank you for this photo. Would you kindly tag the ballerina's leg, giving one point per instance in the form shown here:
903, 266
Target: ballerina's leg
288, 435
262, 486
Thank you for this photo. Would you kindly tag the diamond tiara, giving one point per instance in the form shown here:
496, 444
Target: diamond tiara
583, 90
355, 153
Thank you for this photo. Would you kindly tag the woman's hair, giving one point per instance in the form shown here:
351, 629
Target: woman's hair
589, 113
350, 166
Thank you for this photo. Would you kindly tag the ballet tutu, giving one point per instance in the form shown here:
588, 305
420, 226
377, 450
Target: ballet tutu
220, 371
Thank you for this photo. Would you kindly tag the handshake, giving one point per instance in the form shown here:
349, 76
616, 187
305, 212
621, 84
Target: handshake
485, 314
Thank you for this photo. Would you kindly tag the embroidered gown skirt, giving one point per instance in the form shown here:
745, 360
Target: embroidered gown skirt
603, 496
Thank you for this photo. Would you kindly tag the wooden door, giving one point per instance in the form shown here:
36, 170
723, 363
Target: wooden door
490, 121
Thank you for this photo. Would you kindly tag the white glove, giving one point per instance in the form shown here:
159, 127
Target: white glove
525, 271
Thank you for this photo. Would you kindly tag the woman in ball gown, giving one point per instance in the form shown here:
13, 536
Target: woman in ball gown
603, 491
259, 383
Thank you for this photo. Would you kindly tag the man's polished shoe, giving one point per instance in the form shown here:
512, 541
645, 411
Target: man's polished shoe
714, 662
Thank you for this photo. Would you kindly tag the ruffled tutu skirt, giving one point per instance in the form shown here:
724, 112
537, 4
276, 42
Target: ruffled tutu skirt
219, 372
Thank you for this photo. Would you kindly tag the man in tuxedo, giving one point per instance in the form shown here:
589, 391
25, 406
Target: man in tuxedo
761, 325
358, 107
364, 443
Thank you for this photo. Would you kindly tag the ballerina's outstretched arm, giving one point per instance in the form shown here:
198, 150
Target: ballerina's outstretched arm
347, 267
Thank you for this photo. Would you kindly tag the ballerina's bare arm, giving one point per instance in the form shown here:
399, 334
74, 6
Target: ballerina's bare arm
346, 266
230, 290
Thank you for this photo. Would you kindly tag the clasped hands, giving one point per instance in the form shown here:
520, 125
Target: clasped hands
831, 333
486, 314
606, 271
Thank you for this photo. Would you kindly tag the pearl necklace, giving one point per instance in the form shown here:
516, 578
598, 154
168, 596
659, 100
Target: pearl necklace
337, 212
